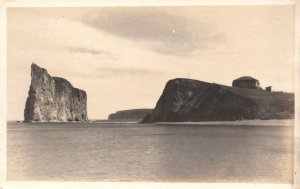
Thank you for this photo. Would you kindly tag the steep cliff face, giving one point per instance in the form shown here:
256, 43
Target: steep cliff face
192, 100
53, 99
134, 114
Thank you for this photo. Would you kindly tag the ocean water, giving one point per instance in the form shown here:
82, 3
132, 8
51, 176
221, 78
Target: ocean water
149, 152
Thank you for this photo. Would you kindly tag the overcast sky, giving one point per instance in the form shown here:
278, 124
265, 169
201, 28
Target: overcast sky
123, 57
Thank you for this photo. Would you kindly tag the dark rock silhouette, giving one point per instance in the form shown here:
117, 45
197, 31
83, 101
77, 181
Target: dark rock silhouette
53, 99
134, 114
192, 100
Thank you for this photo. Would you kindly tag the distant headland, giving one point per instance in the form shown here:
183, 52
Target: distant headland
133, 114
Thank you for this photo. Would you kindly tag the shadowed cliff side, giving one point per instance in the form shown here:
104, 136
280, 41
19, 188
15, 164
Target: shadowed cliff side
192, 100
53, 99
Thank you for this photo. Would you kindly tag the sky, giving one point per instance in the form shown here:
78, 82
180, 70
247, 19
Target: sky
123, 56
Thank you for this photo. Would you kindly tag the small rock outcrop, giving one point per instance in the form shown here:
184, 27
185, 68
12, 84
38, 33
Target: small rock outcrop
192, 100
53, 99
134, 114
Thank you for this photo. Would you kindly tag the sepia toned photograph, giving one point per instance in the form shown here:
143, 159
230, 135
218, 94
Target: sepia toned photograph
193, 94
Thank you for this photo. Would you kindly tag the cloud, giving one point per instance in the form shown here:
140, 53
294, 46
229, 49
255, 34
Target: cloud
114, 72
125, 71
162, 31
86, 51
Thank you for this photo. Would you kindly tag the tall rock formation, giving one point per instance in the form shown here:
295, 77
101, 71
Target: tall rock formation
192, 100
53, 99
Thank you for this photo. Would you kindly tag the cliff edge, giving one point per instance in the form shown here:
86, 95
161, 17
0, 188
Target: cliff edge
53, 99
192, 100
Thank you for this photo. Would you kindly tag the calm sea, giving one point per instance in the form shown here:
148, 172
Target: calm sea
149, 152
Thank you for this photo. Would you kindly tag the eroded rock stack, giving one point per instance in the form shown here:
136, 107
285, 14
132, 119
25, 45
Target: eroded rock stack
53, 99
